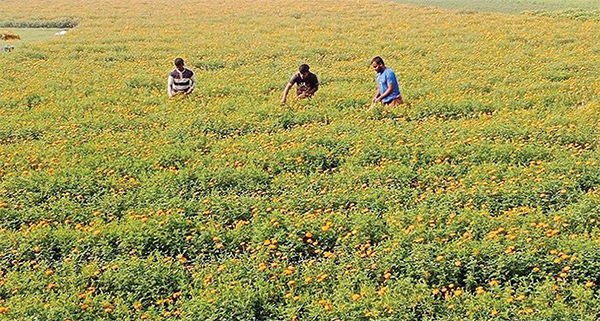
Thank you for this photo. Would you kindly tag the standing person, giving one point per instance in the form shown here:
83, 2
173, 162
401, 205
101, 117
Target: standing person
181, 80
307, 82
388, 90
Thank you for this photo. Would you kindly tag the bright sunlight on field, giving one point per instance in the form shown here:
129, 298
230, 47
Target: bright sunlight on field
477, 200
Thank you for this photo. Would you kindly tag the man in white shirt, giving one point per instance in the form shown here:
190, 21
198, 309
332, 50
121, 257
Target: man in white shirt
181, 80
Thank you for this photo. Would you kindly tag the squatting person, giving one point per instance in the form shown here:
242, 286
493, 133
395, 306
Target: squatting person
181, 80
307, 83
388, 90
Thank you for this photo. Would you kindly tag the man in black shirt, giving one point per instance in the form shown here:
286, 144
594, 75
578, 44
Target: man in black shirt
307, 83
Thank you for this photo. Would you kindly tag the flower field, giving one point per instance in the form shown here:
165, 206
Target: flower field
478, 200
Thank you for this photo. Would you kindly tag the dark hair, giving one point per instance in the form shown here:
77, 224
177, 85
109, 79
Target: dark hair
178, 62
378, 60
303, 68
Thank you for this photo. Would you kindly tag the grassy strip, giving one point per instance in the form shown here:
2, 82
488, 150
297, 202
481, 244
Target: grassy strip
64, 22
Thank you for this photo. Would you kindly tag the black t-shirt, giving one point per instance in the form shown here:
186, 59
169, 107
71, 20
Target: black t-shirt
305, 84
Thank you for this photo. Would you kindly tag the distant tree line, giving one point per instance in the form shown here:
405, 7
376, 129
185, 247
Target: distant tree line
63, 22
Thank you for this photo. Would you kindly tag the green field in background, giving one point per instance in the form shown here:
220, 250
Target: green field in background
29, 35
508, 6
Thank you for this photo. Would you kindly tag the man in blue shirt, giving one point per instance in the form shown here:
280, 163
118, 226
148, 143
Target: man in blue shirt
388, 91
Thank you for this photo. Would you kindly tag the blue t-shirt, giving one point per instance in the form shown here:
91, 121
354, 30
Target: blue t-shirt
385, 77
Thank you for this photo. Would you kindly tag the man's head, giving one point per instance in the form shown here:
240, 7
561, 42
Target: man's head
179, 64
377, 64
304, 70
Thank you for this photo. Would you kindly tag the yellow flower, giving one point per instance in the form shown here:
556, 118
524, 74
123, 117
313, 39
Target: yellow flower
325, 304
322, 277
382, 291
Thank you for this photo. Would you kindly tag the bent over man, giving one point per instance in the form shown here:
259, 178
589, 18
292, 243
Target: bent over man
388, 90
307, 83
181, 80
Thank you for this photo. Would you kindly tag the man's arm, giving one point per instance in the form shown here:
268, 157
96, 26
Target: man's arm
386, 93
192, 86
170, 86
313, 91
377, 95
285, 92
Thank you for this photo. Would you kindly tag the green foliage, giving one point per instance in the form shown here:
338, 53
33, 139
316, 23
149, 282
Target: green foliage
476, 200
62, 22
